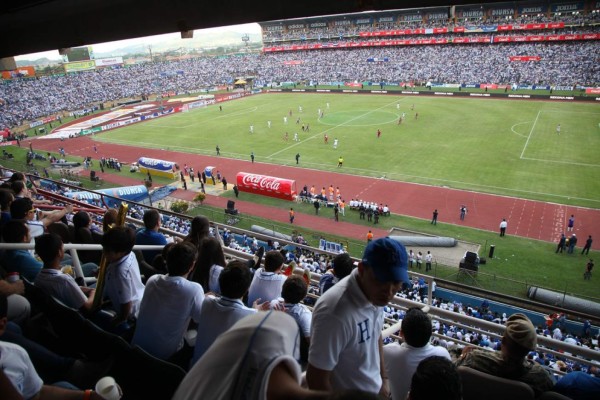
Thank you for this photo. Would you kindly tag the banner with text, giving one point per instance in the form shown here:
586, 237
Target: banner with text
79, 66
157, 167
412, 42
271, 186
105, 62
21, 72
525, 58
132, 193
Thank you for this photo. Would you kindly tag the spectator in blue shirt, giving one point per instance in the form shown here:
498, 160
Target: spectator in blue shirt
21, 261
149, 235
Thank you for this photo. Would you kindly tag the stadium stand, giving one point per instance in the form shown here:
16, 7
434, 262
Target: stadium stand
456, 324
562, 63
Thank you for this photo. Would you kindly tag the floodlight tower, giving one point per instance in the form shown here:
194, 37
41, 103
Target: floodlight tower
246, 40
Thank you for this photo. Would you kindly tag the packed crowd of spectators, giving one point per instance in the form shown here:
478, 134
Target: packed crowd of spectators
344, 31
564, 64
285, 277
27, 99
561, 64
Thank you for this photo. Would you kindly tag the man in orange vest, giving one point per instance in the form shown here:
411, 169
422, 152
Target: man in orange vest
369, 236
291, 215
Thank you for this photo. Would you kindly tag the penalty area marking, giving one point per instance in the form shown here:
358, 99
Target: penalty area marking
530, 133
233, 114
512, 128
561, 162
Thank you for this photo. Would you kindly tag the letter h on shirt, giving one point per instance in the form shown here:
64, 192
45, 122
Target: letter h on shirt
363, 328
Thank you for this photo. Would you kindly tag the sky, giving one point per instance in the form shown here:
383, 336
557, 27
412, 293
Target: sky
148, 40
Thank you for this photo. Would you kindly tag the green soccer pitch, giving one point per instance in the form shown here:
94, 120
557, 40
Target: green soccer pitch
508, 147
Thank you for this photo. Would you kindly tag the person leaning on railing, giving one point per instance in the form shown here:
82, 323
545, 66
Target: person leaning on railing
37, 222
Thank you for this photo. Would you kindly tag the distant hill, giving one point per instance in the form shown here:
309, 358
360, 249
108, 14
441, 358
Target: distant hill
40, 62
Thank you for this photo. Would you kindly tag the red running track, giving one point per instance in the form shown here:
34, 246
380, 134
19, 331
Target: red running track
526, 218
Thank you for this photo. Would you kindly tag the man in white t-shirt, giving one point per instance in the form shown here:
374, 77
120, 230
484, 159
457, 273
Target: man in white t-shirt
53, 281
267, 282
23, 208
503, 225
293, 292
428, 260
123, 283
169, 302
401, 360
346, 350
219, 314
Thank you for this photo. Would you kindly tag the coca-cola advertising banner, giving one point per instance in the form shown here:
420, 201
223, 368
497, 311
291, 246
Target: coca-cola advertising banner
421, 31
412, 42
271, 186
525, 58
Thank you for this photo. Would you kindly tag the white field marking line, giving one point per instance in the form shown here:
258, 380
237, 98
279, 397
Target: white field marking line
562, 162
330, 129
530, 132
373, 174
570, 112
512, 128
362, 172
162, 126
152, 145
236, 113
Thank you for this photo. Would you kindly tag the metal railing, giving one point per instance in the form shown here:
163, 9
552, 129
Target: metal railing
575, 353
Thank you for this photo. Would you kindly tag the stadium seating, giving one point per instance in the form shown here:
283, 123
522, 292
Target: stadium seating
479, 385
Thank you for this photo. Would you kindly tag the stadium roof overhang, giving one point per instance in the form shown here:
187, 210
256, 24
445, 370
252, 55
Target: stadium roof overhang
29, 26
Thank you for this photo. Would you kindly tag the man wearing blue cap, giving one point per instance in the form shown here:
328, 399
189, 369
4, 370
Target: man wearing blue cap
348, 319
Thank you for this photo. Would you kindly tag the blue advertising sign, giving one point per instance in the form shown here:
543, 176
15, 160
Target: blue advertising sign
153, 163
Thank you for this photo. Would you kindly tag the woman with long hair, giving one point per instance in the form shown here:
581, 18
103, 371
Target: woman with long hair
200, 229
210, 263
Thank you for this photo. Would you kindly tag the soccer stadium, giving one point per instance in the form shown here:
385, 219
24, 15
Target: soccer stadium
391, 203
